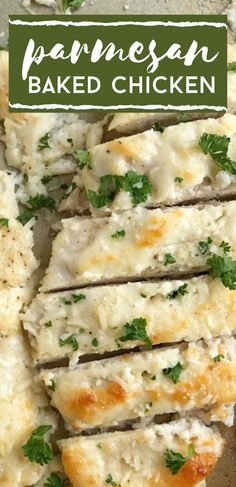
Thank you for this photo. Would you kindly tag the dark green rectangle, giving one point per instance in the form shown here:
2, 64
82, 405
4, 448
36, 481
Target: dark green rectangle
174, 95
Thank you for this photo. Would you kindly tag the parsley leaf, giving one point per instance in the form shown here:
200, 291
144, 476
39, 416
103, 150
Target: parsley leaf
137, 185
48, 324
217, 147
71, 340
174, 372
73, 4
95, 342
37, 449
66, 301
169, 259
70, 141
83, 158
110, 481
46, 179
175, 461
52, 386
136, 330
78, 297
204, 245
41, 201
232, 66
73, 187
225, 246
119, 233
25, 216
178, 179
180, 290
44, 142
157, 127
54, 481
4, 222
218, 358
223, 267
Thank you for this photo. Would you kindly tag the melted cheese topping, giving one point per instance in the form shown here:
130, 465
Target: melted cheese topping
208, 310
163, 157
17, 261
8, 203
23, 132
110, 391
137, 457
84, 252
23, 408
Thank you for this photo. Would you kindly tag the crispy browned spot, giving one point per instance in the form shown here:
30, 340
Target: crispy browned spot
195, 470
86, 404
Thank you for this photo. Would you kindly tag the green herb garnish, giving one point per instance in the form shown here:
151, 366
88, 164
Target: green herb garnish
78, 297
119, 233
44, 142
52, 386
157, 127
217, 147
66, 301
178, 179
225, 246
95, 342
204, 245
110, 481
54, 481
223, 267
174, 372
182, 290
136, 330
37, 449
73, 4
232, 66
218, 358
46, 179
25, 216
175, 461
4, 222
41, 201
48, 324
169, 259
83, 158
71, 340
72, 188
148, 407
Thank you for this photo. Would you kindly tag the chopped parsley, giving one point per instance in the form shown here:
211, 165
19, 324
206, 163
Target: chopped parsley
225, 246
169, 259
95, 342
44, 142
204, 245
99, 445
218, 358
175, 461
148, 407
66, 301
46, 179
48, 324
154, 377
157, 127
110, 481
174, 372
41, 201
136, 330
71, 340
83, 158
72, 188
143, 295
178, 179
118, 234
137, 185
78, 297
181, 290
217, 147
52, 385
232, 66
223, 267
25, 216
73, 4
37, 449
54, 481
70, 141
4, 222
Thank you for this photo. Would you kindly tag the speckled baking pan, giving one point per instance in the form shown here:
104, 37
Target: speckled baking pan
225, 474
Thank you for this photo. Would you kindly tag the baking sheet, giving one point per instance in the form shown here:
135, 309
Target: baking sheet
225, 474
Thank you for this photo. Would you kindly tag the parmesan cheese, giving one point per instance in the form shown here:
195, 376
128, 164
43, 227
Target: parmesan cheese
137, 385
208, 310
138, 457
85, 252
